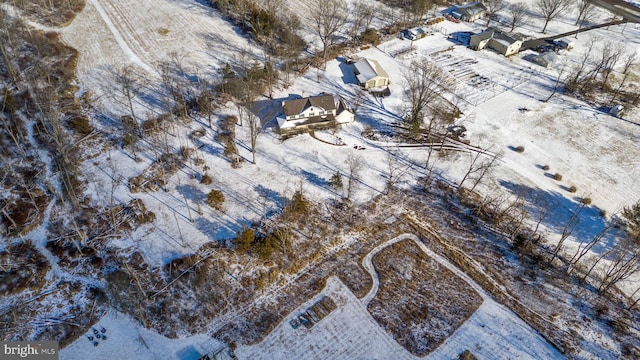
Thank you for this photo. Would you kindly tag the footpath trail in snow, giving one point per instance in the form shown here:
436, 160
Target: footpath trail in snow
367, 262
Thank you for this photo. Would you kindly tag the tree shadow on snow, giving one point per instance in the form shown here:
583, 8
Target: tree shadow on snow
560, 209
272, 196
216, 231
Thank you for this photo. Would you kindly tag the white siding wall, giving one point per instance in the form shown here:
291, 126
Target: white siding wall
312, 110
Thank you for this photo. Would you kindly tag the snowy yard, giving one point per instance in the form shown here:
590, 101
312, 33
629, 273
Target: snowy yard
118, 336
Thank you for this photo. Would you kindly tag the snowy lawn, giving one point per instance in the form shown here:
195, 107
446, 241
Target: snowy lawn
118, 336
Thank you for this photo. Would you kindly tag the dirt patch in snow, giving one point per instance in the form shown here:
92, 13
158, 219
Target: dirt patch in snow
420, 302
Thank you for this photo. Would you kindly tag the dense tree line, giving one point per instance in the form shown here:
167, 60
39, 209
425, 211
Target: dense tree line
268, 21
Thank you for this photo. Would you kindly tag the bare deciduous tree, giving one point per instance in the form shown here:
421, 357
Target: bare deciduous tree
585, 9
418, 9
623, 262
556, 84
362, 16
543, 212
576, 74
493, 8
205, 100
270, 76
609, 57
478, 169
483, 170
583, 250
517, 15
354, 163
125, 77
550, 9
254, 129
568, 229
424, 82
328, 18
395, 170
630, 60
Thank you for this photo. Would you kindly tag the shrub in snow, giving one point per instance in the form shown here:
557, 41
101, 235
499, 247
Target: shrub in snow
520, 149
573, 189
206, 179
370, 36
336, 181
546, 168
215, 199
557, 176
80, 125
299, 204
467, 355
244, 240
631, 216
586, 201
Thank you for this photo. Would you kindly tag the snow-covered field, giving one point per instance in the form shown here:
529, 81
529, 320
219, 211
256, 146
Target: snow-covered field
122, 338
593, 151
111, 34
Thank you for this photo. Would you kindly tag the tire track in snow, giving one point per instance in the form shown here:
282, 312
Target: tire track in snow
119, 39
131, 32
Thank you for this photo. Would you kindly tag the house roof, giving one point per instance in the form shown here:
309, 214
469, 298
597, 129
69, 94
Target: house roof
416, 31
297, 106
546, 58
471, 9
505, 38
369, 69
502, 37
487, 34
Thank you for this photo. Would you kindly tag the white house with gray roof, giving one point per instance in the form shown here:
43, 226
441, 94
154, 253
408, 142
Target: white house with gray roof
469, 12
506, 44
313, 112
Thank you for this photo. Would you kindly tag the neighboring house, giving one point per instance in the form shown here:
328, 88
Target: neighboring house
370, 74
505, 43
314, 112
469, 12
414, 34
546, 59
